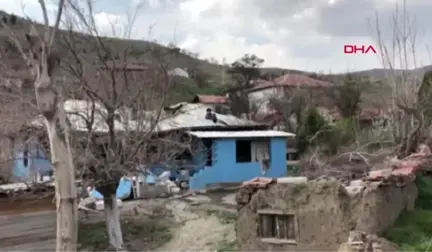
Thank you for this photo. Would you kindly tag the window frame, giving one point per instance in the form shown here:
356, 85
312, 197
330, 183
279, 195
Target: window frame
237, 150
272, 216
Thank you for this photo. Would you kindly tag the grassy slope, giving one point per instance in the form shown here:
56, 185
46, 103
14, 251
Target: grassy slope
413, 230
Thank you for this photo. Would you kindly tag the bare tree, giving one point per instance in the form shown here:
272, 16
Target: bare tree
37, 50
124, 97
399, 55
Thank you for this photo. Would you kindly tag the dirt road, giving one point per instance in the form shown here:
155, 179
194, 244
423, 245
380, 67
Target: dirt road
198, 231
28, 232
27, 225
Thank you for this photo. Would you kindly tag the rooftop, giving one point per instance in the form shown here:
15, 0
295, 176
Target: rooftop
240, 134
210, 99
79, 111
179, 116
193, 116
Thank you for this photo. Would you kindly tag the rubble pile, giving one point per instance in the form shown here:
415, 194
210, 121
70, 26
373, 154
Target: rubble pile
248, 188
403, 171
363, 242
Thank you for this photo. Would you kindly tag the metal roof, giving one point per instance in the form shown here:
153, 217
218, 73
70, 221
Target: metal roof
78, 110
240, 134
185, 116
190, 116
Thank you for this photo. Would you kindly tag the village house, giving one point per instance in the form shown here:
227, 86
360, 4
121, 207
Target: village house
262, 93
293, 214
217, 102
30, 162
284, 87
231, 149
234, 149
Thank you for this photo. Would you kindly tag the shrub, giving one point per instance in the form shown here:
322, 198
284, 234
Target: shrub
313, 130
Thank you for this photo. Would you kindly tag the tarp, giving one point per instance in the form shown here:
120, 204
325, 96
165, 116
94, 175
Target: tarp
124, 190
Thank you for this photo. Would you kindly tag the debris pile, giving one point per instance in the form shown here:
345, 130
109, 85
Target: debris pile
26, 189
248, 188
403, 171
363, 242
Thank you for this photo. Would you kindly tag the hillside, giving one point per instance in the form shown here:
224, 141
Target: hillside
215, 79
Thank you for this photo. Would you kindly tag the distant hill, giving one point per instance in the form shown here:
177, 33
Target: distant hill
186, 61
380, 73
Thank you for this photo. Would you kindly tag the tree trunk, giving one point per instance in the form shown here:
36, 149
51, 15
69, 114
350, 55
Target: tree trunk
112, 220
52, 108
66, 197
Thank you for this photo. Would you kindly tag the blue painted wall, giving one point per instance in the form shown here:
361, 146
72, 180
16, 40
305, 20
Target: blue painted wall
36, 161
226, 169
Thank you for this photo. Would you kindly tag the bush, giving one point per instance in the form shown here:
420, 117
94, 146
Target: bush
344, 132
376, 136
312, 131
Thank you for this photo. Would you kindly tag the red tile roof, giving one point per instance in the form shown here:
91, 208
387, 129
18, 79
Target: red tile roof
211, 99
291, 80
406, 168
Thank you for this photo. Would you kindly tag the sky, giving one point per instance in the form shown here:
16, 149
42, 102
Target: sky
306, 35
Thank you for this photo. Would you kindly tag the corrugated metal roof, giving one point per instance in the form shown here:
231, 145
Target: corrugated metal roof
78, 110
240, 134
192, 116
186, 116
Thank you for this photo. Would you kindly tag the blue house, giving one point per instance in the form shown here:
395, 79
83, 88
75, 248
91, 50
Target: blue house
30, 163
233, 149
237, 156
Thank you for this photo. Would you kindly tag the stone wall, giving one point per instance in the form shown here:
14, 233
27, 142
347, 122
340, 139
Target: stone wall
325, 213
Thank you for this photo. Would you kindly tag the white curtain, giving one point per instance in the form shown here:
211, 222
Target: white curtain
261, 153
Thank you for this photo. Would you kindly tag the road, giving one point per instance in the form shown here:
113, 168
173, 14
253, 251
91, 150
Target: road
27, 225
28, 232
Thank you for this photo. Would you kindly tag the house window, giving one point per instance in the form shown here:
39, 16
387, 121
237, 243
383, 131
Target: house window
277, 226
25, 155
243, 151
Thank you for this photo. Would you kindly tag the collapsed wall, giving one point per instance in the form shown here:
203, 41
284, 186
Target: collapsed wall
375, 207
325, 212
